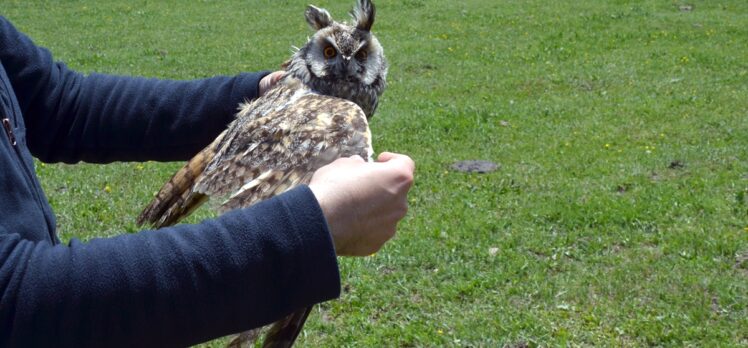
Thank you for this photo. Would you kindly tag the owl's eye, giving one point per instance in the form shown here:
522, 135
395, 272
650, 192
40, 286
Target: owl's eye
361, 55
329, 52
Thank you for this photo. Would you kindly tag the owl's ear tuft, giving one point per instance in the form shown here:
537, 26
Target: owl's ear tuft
363, 13
317, 18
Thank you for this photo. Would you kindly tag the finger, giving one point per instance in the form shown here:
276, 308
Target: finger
276, 76
408, 162
270, 80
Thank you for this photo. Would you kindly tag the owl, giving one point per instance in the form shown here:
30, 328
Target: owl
317, 112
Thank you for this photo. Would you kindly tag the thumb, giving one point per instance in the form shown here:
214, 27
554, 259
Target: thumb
386, 156
397, 159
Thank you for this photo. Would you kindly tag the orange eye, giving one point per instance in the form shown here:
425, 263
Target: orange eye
329, 52
361, 55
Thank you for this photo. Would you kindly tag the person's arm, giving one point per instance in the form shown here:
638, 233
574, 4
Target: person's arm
183, 285
100, 118
190, 283
175, 286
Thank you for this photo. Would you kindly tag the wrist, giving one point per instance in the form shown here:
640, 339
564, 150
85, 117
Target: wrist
324, 206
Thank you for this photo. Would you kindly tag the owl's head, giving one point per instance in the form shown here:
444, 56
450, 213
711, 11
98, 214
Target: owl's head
343, 59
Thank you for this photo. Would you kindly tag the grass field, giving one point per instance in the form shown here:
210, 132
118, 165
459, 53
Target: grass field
618, 217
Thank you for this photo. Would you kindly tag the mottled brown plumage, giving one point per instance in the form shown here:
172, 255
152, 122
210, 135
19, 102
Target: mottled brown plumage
276, 143
316, 113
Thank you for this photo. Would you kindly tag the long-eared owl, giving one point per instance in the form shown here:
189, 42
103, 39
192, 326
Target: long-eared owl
317, 112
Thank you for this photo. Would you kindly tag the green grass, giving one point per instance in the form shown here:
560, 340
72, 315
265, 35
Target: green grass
619, 214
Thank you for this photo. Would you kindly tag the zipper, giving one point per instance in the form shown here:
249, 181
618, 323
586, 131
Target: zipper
9, 131
35, 188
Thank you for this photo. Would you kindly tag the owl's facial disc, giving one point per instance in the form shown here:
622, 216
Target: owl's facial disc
345, 55
340, 52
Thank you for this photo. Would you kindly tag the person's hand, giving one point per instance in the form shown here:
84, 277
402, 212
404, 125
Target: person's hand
270, 80
363, 202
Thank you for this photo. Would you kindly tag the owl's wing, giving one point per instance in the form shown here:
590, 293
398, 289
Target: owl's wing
264, 152
176, 199
282, 149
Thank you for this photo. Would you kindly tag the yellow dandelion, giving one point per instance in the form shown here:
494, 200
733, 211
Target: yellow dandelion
107, 189
440, 331
607, 146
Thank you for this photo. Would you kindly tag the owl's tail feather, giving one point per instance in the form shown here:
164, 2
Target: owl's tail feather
176, 199
283, 333
245, 339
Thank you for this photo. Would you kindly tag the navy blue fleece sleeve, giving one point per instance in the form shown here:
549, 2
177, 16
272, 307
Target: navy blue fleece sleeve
171, 287
101, 118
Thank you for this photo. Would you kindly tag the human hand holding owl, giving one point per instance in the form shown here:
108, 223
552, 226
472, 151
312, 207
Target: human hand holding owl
363, 201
